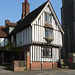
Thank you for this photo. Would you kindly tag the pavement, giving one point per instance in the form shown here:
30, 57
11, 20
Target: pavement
3, 69
57, 71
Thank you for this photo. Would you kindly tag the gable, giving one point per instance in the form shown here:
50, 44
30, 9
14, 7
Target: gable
49, 9
3, 32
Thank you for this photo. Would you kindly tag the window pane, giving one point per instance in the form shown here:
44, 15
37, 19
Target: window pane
52, 33
48, 17
45, 16
44, 52
46, 33
49, 34
48, 52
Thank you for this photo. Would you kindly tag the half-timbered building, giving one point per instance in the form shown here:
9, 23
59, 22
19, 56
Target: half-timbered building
39, 36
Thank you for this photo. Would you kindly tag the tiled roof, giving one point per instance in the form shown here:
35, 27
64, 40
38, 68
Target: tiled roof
3, 32
12, 24
2, 27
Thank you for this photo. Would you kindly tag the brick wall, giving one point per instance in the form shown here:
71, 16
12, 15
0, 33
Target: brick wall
46, 65
55, 65
43, 65
15, 66
35, 65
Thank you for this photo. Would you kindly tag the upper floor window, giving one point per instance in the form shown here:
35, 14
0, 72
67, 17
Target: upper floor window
48, 17
48, 32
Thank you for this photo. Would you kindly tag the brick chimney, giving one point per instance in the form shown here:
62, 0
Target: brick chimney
25, 8
6, 22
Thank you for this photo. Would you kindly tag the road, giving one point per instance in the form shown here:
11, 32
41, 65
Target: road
42, 72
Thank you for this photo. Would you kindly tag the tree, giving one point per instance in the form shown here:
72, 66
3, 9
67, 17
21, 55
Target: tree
14, 51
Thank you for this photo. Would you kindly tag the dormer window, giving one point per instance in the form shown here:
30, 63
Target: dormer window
48, 17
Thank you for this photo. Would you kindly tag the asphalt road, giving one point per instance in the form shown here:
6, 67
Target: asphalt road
42, 72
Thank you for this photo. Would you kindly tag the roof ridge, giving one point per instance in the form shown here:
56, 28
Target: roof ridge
38, 7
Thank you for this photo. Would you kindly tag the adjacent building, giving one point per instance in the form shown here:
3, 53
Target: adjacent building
68, 24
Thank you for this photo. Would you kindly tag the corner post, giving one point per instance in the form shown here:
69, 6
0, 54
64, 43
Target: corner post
28, 60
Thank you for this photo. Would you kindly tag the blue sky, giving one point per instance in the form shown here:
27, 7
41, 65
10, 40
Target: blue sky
12, 9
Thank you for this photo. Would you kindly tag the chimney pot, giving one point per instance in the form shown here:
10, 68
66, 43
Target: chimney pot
26, 0
6, 22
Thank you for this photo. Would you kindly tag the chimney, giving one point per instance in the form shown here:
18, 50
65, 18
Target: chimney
25, 8
6, 22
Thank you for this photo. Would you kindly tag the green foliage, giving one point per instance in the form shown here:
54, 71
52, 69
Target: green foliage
14, 51
10, 47
66, 62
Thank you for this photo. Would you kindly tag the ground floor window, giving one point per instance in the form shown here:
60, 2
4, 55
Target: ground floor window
47, 52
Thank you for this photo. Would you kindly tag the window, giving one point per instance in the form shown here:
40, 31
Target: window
48, 32
47, 52
48, 17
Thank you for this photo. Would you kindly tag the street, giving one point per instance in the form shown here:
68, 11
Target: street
42, 72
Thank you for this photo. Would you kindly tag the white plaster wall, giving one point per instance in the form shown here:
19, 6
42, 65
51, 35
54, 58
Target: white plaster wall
11, 29
6, 41
55, 54
24, 37
2, 42
35, 54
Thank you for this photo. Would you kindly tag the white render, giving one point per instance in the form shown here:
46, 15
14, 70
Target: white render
6, 41
2, 42
23, 37
11, 29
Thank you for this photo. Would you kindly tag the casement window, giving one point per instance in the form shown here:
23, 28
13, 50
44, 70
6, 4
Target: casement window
48, 17
48, 32
46, 52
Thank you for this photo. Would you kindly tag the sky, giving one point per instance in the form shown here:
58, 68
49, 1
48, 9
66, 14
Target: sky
12, 9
